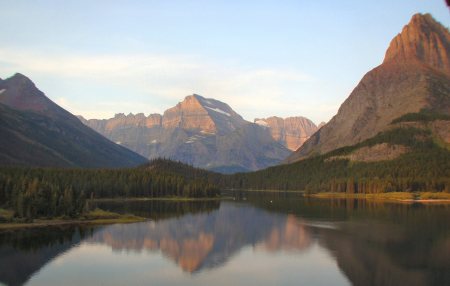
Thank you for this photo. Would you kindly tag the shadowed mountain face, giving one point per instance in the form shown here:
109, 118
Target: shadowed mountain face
34, 131
200, 131
19, 93
414, 75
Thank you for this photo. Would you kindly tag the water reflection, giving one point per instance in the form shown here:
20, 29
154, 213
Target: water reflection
343, 242
205, 240
24, 252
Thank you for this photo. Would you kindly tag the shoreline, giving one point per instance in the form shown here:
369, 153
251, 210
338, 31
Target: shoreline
174, 199
101, 217
266, 191
96, 217
395, 197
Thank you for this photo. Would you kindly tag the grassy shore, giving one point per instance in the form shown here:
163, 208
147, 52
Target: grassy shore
95, 217
404, 197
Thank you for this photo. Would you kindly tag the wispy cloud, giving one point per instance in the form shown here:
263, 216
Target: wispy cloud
162, 80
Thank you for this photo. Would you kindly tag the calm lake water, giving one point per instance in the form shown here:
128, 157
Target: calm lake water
253, 239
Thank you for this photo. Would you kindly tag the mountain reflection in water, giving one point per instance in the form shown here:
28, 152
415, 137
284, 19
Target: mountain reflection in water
344, 241
204, 240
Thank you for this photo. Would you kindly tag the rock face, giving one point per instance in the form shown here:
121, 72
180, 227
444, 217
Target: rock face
424, 40
291, 132
34, 131
200, 131
413, 76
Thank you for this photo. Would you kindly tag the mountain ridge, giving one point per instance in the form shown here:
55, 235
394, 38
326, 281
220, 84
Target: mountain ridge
35, 131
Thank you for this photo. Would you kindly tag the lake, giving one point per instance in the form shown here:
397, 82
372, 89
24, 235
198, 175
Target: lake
246, 239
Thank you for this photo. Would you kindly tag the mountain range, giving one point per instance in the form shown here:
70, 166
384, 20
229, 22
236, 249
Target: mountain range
200, 131
413, 81
207, 133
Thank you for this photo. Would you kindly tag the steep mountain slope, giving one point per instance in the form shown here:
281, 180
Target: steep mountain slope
200, 131
34, 131
19, 92
291, 132
414, 75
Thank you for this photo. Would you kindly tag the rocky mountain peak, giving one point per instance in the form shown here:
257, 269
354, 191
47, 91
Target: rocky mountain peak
423, 39
291, 132
20, 79
205, 114
19, 92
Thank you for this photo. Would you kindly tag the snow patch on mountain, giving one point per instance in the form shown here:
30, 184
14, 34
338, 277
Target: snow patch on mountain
218, 110
262, 123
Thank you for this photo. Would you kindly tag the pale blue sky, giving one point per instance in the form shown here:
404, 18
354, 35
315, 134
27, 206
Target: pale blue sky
284, 58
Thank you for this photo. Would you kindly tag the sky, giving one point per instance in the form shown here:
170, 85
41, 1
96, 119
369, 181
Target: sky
263, 58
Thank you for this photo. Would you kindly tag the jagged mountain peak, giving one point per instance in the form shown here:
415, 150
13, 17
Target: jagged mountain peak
291, 132
213, 105
422, 39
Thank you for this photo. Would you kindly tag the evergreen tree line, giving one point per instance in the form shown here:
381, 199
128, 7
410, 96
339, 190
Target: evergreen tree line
38, 192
